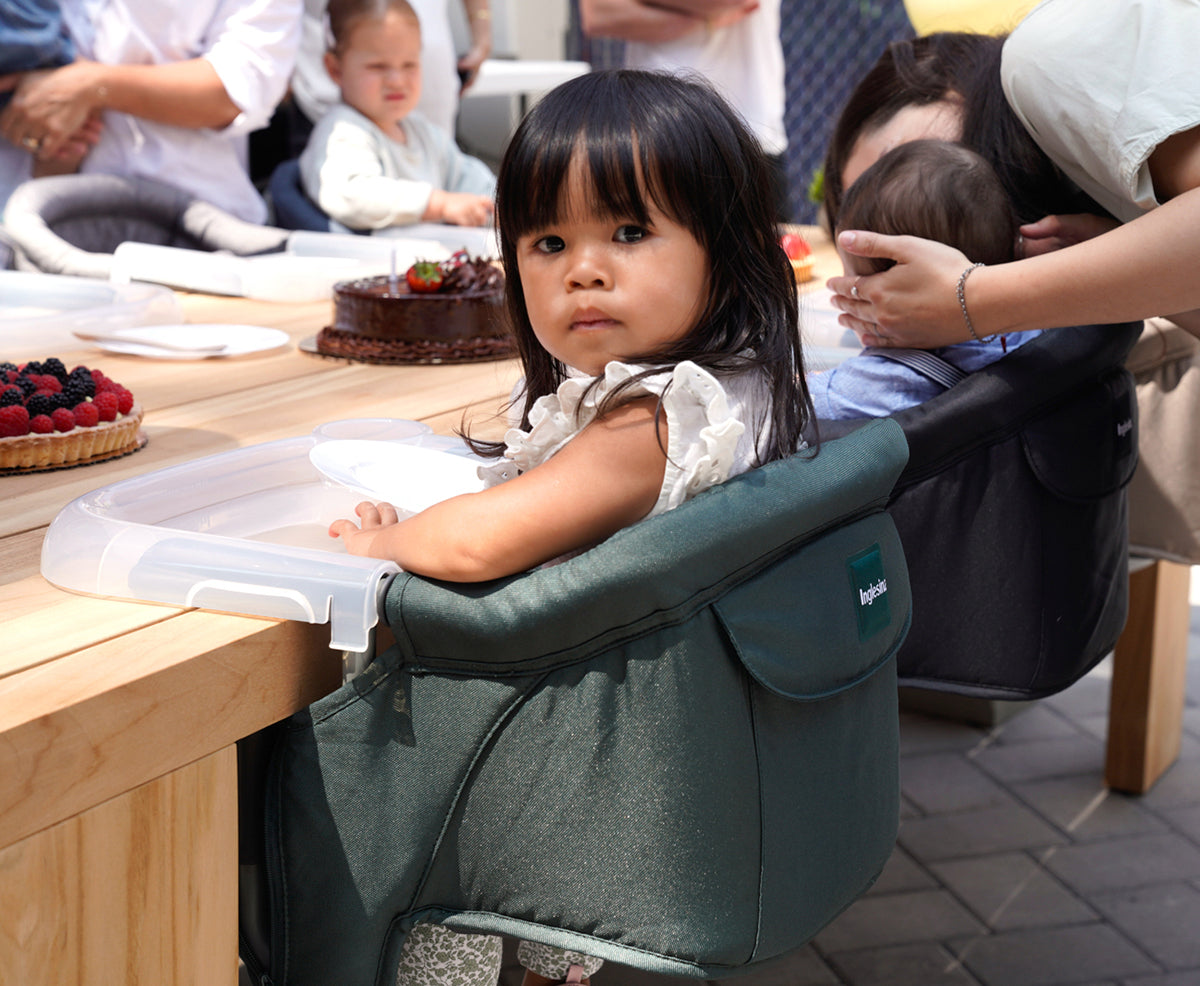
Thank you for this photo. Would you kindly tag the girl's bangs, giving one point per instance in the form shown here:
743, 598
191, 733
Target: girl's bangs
612, 178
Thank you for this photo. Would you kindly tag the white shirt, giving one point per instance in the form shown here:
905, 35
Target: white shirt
250, 43
744, 62
365, 180
316, 93
1100, 85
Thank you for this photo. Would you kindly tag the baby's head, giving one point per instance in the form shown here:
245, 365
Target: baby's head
936, 190
374, 56
634, 140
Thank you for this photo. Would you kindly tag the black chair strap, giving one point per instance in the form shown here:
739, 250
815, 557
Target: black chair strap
922, 361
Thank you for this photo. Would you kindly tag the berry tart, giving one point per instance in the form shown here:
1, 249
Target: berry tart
448, 312
52, 419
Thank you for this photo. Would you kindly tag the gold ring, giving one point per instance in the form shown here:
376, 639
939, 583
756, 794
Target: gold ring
30, 143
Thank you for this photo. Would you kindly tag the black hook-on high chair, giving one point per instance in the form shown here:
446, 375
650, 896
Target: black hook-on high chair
677, 750
1013, 514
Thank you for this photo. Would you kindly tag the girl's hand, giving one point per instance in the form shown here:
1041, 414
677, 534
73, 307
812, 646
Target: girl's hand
374, 518
1055, 232
914, 303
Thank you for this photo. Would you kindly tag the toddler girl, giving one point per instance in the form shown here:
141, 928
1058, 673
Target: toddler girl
656, 319
371, 162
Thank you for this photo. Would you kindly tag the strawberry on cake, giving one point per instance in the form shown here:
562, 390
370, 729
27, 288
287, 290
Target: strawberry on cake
50, 419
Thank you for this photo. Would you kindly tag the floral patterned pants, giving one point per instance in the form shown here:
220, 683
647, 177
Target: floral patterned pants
436, 956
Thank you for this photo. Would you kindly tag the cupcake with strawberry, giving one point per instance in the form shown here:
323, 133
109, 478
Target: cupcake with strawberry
800, 254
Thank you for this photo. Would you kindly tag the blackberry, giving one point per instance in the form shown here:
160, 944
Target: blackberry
26, 385
33, 367
82, 376
6, 366
41, 404
74, 392
11, 396
55, 367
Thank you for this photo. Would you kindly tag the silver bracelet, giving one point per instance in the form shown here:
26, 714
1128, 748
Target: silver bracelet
962, 302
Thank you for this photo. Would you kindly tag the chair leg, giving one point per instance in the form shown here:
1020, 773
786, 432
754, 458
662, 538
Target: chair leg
1145, 716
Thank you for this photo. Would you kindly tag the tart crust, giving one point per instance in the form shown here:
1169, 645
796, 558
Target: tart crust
105, 440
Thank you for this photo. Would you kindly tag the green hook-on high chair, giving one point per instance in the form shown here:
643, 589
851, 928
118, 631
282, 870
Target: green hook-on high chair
677, 751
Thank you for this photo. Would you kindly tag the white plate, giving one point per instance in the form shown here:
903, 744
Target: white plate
238, 340
408, 477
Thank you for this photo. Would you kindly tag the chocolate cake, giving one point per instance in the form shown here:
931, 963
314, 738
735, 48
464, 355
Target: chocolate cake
447, 313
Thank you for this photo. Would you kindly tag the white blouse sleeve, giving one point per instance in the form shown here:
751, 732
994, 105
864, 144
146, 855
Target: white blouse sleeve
253, 50
1099, 92
702, 430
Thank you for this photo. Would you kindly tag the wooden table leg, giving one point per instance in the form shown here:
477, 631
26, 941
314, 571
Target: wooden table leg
1145, 715
140, 889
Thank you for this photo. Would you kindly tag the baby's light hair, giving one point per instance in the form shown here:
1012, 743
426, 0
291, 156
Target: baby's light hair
648, 135
342, 15
936, 190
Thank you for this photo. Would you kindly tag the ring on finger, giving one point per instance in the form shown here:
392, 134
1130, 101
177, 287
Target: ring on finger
854, 289
30, 143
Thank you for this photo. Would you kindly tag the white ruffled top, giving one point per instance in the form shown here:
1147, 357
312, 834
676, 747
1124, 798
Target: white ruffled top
715, 425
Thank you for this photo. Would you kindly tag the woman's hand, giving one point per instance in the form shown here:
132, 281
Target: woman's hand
50, 109
914, 303
374, 519
1056, 232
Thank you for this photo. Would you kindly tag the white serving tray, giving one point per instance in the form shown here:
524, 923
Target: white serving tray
243, 531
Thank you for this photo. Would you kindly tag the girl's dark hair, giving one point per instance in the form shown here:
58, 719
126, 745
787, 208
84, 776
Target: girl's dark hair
964, 68
675, 140
938, 191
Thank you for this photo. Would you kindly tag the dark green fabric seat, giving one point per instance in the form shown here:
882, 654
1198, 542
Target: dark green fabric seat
676, 751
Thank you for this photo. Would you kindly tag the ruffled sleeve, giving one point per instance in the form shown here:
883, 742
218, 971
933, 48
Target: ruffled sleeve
703, 430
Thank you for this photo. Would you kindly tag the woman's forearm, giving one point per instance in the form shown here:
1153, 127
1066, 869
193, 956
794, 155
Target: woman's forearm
183, 94
1144, 268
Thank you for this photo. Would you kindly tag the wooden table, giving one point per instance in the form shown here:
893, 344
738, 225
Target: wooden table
118, 720
118, 834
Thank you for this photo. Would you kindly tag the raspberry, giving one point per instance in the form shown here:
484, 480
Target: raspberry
107, 404
14, 421
41, 424
63, 419
124, 400
86, 415
48, 382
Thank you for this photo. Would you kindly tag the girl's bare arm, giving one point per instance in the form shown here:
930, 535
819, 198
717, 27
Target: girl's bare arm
606, 478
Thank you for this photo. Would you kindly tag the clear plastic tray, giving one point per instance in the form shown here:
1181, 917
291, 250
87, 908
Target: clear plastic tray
40, 312
241, 531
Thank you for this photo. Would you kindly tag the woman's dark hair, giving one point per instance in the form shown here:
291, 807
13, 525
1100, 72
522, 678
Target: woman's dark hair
675, 140
963, 68
938, 191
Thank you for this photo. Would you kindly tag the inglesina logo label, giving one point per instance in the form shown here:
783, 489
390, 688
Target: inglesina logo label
1124, 427
868, 582
867, 596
